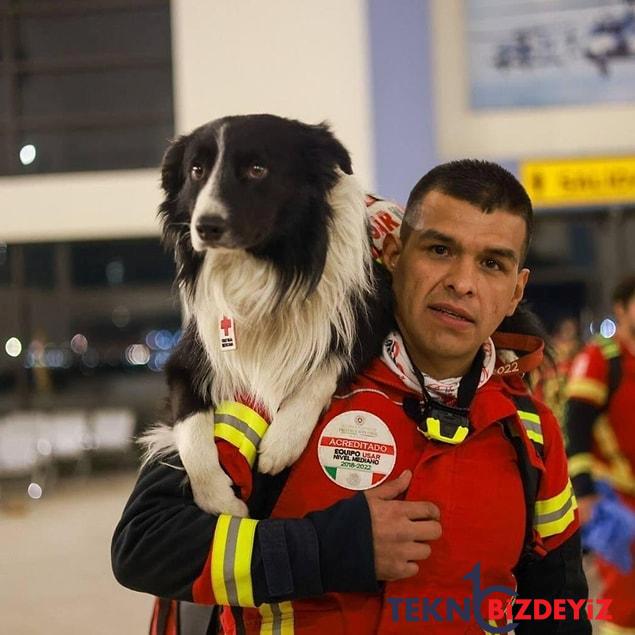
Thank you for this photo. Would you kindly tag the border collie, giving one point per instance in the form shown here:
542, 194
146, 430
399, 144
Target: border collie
270, 236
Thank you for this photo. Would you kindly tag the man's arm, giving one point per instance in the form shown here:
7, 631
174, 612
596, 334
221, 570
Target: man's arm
587, 393
558, 575
165, 545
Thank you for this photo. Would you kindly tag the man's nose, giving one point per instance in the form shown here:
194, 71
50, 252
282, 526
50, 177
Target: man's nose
461, 277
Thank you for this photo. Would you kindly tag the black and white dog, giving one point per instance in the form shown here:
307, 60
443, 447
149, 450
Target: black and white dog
271, 239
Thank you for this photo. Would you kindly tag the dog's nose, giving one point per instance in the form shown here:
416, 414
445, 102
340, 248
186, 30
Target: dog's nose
211, 227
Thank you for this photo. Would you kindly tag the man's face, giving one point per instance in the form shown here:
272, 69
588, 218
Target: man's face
625, 315
455, 279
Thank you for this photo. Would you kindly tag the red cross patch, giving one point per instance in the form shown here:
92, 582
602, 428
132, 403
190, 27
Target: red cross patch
226, 334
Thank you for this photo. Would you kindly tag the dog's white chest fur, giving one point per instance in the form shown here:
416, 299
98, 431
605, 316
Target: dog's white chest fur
280, 347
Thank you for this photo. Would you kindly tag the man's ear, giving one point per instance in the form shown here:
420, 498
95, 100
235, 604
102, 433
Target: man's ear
521, 282
390, 251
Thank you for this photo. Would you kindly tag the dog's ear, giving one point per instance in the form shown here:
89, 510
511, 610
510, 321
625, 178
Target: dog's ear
172, 175
330, 147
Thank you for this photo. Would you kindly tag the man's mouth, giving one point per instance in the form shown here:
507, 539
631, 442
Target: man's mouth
452, 312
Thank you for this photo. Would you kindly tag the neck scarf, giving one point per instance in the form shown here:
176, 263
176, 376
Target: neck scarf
395, 357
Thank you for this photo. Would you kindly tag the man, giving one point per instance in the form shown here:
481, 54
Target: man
435, 420
600, 425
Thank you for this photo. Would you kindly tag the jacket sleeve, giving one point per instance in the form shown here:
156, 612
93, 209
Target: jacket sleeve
166, 546
587, 393
558, 575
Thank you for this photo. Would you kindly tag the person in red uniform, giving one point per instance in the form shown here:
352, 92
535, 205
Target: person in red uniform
550, 380
344, 541
600, 425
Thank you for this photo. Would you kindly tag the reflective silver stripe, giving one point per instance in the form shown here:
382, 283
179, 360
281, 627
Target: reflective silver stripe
557, 515
239, 425
230, 558
531, 426
276, 627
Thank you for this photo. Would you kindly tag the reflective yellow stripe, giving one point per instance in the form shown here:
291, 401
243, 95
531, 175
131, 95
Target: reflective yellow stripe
232, 550
237, 439
531, 422
554, 515
218, 557
609, 347
580, 463
607, 628
242, 562
244, 413
241, 426
619, 471
586, 388
277, 619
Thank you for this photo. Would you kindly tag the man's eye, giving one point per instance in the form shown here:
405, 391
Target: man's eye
256, 172
197, 171
439, 250
491, 263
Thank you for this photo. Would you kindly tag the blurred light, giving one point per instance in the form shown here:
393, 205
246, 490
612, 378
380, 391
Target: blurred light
54, 357
607, 328
164, 340
90, 358
13, 347
158, 360
34, 491
114, 272
176, 336
137, 354
79, 344
151, 342
120, 316
44, 447
592, 328
27, 154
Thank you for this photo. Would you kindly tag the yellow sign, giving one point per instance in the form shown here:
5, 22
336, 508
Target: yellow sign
579, 181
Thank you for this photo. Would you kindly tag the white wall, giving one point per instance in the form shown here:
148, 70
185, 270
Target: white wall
295, 58
513, 133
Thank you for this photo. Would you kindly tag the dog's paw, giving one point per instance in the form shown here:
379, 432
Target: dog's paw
282, 444
217, 496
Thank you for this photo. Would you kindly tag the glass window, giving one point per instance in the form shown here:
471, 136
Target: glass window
39, 265
120, 262
97, 148
91, 82
5, 264
107, 92
130, 31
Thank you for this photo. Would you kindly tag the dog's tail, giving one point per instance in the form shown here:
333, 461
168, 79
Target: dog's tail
157, 442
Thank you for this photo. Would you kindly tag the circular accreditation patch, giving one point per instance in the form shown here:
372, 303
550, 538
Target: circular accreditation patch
357, 450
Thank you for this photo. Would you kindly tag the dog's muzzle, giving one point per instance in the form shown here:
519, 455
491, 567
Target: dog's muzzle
211, 229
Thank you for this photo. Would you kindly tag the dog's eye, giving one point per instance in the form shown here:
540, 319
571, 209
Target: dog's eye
197, 172
257, 172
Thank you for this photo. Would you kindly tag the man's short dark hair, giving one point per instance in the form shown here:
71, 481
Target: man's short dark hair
625, 291
482, 183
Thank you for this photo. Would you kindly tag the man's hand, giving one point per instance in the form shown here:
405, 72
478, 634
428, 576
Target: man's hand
585, 507
401, 529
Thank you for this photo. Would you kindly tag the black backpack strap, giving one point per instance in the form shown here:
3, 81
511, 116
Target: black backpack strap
529, 474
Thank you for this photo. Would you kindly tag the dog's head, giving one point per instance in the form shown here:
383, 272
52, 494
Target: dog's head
255, 182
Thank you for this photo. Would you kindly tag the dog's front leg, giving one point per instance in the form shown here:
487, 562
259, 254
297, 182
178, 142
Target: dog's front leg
211, 486
293, 424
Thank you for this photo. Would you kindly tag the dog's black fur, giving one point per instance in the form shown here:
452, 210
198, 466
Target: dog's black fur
282, 220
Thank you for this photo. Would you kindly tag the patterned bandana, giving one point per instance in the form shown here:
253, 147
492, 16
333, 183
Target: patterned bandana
395, 357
